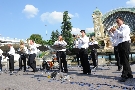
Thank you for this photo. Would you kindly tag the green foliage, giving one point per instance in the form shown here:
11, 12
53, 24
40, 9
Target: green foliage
37, 38
101, 43
92, 34
42, 54
54, 36
49, 42
44, 42
66, 30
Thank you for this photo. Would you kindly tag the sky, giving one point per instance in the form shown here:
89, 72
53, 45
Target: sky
22, 18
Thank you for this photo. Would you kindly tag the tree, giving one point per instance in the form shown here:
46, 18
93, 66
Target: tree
92, 34
66, 30
49, 42
37, 38
54, 36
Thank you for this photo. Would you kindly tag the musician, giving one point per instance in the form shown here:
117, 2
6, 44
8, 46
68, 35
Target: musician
115, 42
24, 52
83, 53
61, 54
1, 59
32, 50
94, 55
123, 47
11, 54
76, 46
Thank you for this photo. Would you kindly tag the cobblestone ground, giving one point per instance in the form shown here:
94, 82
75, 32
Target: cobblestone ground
104, 78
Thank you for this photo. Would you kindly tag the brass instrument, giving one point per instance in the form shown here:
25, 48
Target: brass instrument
61, 39
29, 47
22, 46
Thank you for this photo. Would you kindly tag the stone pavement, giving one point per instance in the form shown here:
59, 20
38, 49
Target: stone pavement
104, 78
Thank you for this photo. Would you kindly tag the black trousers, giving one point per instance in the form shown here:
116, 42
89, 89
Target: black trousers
11, 62
116, 53
32, 61
94, 57
124, 49
22, 58
83, 53
77, 57
61, 55
0, 63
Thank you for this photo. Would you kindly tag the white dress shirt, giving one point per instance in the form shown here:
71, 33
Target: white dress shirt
63, 43
93, 42
25, 50
12, 50
83, 42
33, 49
123, 33
76, 44
115, 38
1, 52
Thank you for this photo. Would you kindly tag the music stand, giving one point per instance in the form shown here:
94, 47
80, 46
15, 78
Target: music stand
58, 47
76, 50
96, 46
43, 48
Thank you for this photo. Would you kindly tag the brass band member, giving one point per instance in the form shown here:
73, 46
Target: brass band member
76, 46
83, 53
11, 54
94, 53
32, 50
115, 42
1, 59
24, 52
62, 54
123, 47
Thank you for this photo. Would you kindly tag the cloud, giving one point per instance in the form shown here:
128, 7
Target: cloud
131, 2
89, 30
77, 30
55, 17
30, 11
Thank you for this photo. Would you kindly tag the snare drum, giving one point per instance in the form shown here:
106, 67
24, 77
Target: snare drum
55, 58
50, 63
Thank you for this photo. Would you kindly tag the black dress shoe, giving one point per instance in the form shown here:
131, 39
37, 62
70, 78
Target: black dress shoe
119, 68
20, 69
65, 71
130, 76
35, 70
88, 73
123, 79
24, 71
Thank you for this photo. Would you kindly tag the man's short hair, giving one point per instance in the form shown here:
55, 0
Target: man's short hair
120, 18
82, 31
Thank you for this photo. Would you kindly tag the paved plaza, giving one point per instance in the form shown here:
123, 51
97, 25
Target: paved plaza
104, 78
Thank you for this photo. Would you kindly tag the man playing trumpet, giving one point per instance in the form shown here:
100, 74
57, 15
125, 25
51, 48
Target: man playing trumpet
61, 54
32, 50
123, 47
24, 52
